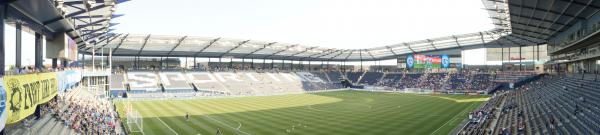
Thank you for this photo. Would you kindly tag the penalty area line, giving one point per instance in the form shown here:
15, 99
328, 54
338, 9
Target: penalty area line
161, 121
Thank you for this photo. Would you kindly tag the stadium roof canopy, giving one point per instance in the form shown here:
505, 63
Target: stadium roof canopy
190, 46
518, 23
85, 21
537, 21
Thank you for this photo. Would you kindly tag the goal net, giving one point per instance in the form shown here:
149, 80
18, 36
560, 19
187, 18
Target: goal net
134, 119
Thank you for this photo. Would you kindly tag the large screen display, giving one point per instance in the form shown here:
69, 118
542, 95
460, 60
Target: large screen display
427, 61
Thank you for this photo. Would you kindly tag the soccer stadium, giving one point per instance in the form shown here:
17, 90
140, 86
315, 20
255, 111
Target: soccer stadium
309, 67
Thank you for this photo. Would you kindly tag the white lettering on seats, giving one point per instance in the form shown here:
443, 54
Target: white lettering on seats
141, 79
201, 77
167, 77
231, 76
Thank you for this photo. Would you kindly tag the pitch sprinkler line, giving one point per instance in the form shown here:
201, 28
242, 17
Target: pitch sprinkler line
161, 121
452, 119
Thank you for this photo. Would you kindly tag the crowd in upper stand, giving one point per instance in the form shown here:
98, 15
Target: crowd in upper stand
441, 81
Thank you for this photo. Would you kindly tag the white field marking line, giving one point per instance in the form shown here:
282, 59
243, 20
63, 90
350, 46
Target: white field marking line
220, 122
142, 131
240, 126
451, 119
167, 125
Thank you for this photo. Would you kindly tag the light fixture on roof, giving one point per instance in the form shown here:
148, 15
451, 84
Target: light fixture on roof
89, 3
59, 4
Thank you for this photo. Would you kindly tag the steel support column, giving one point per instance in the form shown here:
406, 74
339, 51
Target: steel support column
272, 64
2, 45
502, 59
18, 46
309, 68
55, 63
39, 59
520, 59
231, 63
538, 52
166, 63
509, 60
64, 63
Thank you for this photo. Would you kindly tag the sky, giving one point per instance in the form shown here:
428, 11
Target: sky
344, 24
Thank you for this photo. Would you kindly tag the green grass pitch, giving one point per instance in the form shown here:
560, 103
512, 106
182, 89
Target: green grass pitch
325, 113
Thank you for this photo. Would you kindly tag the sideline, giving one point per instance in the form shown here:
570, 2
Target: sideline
453, 118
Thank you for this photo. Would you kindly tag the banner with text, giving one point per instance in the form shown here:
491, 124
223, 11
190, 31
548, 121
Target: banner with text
25, 92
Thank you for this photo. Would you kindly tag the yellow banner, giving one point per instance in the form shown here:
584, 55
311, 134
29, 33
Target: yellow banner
25, 92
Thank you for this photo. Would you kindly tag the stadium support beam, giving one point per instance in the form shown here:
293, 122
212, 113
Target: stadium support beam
407, 45
320, 56
391, 50
482, 39
483, 42
431, 43
298, 53
177, 45
3, 13
205, 47
108, 39
502, 51
324, 53
539, 9
349, 54
92, 32
259, 49
458, 43
341, 52
520, 38
137, 62
582, 4
514, 42
39, 58
237, 46
94, 23
524, 24
372, 57
18, 45
529, 38
76, 13
532, 18
528, 31
361, 59
310, 57
576, 14
120, 43
280, 51
143, 45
